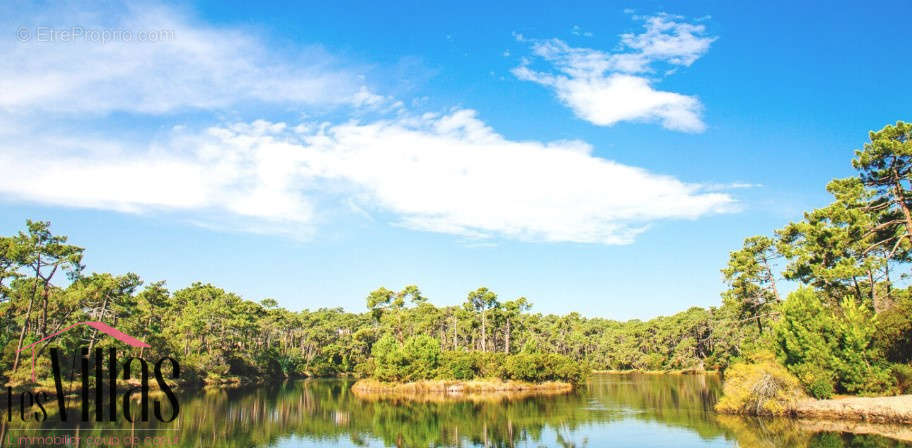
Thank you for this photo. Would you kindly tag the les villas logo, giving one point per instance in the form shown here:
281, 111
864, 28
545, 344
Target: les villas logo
27, 400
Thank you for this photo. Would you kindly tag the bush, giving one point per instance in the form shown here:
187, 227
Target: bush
759, 387
387, 359
489, 365
859, 365
536, 368
420, 358
819, 383
525, 367
894, 329
830, 349
457, 366
422, 355
562, 368
416, 359
651, 361
902, 376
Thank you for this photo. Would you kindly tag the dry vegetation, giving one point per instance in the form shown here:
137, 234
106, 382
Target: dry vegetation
896, 409
762, 387
456, 387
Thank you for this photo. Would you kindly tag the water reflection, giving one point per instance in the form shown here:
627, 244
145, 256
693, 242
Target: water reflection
611, 410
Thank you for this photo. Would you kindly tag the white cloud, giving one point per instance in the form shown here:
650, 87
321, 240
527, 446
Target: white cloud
191, 66
607, 88
578, 31
60, 143
184, 172
448, 173
669, 40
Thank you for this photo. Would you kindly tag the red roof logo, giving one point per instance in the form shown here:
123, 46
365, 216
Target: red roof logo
100, 326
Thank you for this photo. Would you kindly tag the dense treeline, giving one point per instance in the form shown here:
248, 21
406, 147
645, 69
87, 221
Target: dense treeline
217, 334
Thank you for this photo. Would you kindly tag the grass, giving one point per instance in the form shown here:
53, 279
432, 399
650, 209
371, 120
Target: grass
658, 372
438, 391
457, 386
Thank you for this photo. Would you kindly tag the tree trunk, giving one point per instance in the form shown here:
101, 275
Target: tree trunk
146, 332
901, 200
100, 317
772, 278
44, 312
455, 335
858, 288
507, 340
28, 315
46, 293
484, 334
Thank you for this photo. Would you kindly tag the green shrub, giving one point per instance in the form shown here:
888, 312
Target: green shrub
416, 359
524, 367
830, 349
489, 365
421, 355
819, 383
894, 329
651, 361
902, 376
821, 388
387, 358
859, 365
562, 368
457, 366
537, 368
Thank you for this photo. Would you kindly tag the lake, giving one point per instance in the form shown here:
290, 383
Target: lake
632, 410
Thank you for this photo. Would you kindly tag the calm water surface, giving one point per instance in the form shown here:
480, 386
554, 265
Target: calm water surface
611, 410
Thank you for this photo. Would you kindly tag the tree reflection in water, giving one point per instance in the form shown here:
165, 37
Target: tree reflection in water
609, 408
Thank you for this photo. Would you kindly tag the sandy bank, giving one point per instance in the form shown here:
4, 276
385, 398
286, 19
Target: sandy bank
896, 409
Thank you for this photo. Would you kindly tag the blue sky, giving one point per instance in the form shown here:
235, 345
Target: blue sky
600, 158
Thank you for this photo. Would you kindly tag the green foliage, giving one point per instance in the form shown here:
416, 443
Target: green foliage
543, 367
422, 354
752, 284
884, 166
420, 358
490, 365
827, 350
893, 335
416, 359
387, 357
902, 376
457, 365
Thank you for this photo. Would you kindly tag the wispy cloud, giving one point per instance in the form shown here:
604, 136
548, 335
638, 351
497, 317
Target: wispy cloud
579, 31
605, 88
193, 66
442, 173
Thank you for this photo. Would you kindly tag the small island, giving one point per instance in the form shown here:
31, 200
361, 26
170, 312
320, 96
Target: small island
417, 366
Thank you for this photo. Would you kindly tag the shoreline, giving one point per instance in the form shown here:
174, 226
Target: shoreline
456, 387
890, 430
657, 372
893, 409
